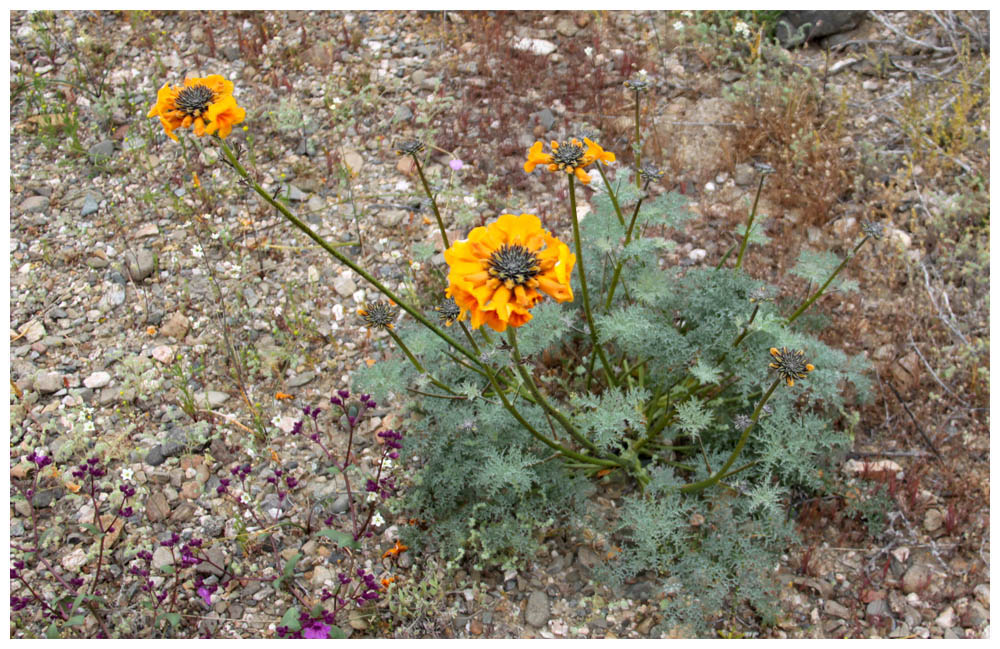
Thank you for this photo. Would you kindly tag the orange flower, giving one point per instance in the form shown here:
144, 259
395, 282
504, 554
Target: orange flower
206, 104
396, 551
281, 396
570, 157
386, 581
496, 274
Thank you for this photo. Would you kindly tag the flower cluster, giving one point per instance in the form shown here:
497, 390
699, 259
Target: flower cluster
205, 104
569, 157
500, 272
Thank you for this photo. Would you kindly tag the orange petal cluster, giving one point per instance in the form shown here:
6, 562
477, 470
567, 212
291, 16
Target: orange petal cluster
589, 152
204, 104
482, 288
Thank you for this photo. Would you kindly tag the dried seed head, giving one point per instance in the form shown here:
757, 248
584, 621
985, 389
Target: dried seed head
378, 315
791, 365
410, 147
448, 312
873, 229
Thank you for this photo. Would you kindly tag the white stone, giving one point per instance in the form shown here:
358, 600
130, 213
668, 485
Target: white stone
97, 380
163, 353
74, 560
947, 618
344, 286
900, 238
856, 467
537, 46
697, 254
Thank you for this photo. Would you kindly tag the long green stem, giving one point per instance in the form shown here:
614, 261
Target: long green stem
753, 214
612, 195
434, 205
621, 262
332, 250
638, 142
542, 438
413, 359
468, 336
529, 381
608, 374
815, 296
695, 487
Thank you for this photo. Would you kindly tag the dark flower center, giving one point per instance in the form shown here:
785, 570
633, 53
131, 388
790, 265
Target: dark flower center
448, 311
513, 264
568, 155
379, 314
194, 100
791, 364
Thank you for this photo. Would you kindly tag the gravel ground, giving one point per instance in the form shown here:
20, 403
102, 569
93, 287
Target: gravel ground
126, 285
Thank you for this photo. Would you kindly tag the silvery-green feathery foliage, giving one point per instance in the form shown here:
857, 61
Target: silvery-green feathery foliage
486, 490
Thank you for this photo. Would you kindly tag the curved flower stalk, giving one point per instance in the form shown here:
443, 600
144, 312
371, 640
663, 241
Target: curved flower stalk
502, 270
571, 157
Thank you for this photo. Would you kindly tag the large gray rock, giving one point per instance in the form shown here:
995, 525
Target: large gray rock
140, 265
797, 27
48, 382
536, 613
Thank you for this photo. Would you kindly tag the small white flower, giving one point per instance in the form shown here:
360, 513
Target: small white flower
377, 520
196, 251
371, 497
742, 29
589, 51
216, 235
245, 499
679, 26
395, 254
277, 310
276, 421
415, 266
387, 463
687, 14
338, 312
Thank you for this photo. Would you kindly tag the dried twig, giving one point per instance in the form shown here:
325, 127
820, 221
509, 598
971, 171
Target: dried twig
888, 420
930, 293
898, 32
920, 430
933, 373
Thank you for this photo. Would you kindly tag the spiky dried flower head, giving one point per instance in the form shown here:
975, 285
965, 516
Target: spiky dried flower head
791, 365
651, 173
448, 312
409, 147
873, 229
763, 168
637, 84
378, 315
569, 157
